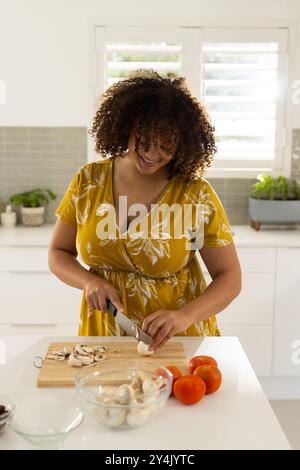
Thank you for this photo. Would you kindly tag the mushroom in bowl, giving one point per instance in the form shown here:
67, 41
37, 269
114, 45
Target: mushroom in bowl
124, 393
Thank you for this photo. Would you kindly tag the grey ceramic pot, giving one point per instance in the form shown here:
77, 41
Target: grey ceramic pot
276, 211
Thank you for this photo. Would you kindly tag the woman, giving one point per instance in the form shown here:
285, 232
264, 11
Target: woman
156, 141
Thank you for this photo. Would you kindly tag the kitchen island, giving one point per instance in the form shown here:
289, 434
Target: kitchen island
262, 322
238, 416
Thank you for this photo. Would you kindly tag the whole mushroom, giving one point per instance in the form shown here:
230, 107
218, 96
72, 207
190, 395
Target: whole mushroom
143, 349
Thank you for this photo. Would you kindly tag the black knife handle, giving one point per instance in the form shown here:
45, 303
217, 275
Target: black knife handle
112, 308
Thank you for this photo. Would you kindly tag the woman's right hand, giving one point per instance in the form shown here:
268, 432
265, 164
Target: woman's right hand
98, 292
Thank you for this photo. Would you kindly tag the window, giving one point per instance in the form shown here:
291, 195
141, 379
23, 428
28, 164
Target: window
121, 59
239, 74
242, 84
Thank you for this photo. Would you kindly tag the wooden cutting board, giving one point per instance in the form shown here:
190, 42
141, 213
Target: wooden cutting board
60, 374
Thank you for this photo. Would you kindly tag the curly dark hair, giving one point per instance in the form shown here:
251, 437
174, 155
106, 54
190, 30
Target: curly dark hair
155, 106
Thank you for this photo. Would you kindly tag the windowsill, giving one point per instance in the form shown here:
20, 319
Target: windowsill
246, 173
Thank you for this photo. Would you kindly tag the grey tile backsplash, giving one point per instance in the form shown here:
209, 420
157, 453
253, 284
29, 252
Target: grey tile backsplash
45, 157
48, 157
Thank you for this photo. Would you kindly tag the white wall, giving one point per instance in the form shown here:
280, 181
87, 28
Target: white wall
44, 49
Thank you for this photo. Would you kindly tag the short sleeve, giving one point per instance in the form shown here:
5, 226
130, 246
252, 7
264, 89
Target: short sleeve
217, 231
66, 210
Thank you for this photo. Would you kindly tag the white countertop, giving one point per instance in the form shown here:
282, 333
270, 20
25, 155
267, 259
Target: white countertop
267, 237
243, 236
26, 236
238, 416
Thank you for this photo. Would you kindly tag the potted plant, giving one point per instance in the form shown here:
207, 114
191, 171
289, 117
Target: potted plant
32, 205
274, 200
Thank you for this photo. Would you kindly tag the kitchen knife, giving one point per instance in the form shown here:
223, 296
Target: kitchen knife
128, 325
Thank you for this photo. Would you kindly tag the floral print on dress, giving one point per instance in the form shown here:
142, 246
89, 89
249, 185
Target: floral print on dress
152, 269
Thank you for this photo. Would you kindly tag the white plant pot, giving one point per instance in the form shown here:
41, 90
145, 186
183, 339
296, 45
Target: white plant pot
32, 216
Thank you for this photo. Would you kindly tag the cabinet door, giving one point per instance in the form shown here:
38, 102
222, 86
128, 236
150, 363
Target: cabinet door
254, 305
287, 313
37, 298
23, 258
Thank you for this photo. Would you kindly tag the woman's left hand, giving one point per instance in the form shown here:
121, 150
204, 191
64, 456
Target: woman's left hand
164, 324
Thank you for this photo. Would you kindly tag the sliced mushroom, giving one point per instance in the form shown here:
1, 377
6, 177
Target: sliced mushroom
60, 358
151, 391
67, 350
150, 387
88, 349
82, 354
125, 394
100, 349
74, 361
51, 356
86, 360
80, 349
99, 357
137, 379
59, 353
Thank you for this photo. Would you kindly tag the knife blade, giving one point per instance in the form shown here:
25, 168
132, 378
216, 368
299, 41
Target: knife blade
128, 325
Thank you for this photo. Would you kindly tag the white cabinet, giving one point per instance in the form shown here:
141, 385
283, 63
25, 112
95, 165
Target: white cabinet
24, 258
255, 304
33, 300
250, 315
37, 297
287, 313
253, 259
257, 259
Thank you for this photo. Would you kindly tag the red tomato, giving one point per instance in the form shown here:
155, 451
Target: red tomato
199, 361
211, 376
189, 389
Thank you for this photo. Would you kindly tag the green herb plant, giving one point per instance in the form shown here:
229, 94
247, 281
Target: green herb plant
34, 198
279, 188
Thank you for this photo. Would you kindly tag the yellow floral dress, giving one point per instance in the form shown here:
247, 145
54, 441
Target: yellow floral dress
152, 270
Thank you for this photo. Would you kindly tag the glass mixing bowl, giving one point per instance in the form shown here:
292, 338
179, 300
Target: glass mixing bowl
124, 393
46, 422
